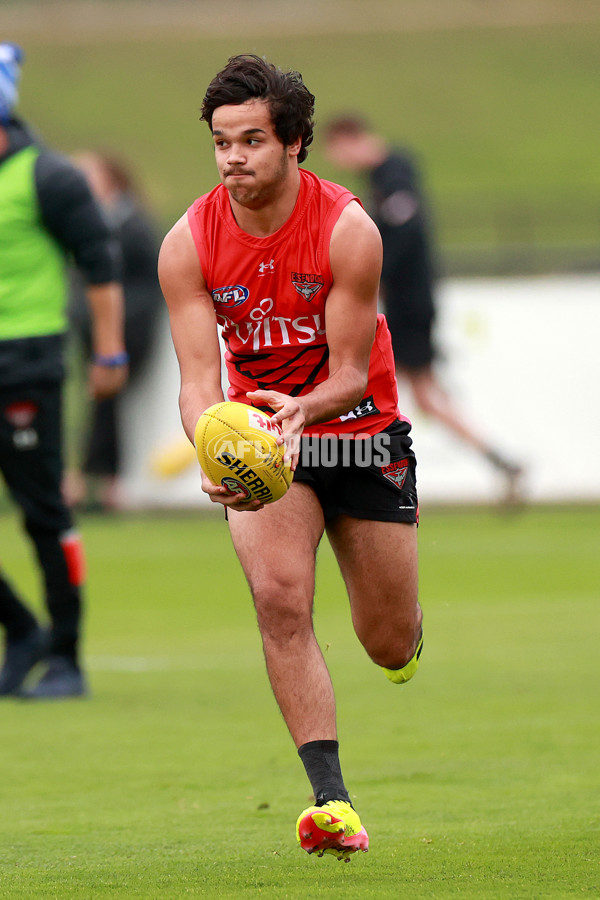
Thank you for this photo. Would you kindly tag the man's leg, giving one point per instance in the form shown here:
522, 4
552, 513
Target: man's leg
25, 642
60, 556
33, 472
378, 561
277, 548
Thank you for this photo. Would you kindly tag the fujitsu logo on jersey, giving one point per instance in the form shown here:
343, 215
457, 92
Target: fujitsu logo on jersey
264, 330
230, 296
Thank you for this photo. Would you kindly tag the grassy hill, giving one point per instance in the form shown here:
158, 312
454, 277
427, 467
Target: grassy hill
498, 107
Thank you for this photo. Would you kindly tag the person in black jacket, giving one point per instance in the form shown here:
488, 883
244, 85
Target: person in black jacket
113, 187
47, 215
408, 275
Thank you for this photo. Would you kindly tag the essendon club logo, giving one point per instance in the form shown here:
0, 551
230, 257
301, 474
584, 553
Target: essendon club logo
307, 285
396, 472
21, 414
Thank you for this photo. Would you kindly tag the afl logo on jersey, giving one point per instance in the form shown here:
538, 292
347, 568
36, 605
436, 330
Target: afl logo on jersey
230, 296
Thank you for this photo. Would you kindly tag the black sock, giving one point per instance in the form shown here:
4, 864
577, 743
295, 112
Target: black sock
322, 764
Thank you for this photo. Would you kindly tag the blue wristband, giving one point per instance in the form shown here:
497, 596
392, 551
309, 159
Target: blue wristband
111, 362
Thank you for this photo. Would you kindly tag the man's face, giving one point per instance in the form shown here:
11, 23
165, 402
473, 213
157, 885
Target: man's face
252, 161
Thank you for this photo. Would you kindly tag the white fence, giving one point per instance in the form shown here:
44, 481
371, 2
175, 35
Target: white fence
521, 360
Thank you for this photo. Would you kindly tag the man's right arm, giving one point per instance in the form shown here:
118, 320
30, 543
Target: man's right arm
193, 324
194, 331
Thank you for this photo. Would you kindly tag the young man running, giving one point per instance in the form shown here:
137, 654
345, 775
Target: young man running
288, 266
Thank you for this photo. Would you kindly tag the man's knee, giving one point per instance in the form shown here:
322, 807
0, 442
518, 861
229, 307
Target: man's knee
395, 648
394, 653
402, 674
281, 608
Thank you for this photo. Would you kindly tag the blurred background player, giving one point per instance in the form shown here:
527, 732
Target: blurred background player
113, 186
408, 275
47, 213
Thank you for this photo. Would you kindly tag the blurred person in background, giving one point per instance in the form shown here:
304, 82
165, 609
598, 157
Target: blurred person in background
47, 214
408, 276
113, 186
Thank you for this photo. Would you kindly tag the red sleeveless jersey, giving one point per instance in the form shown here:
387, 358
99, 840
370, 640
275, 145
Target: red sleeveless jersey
270, 294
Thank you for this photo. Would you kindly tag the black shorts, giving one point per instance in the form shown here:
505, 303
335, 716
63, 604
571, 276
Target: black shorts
374, 478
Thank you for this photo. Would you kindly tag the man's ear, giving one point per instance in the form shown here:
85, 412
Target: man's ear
294, 149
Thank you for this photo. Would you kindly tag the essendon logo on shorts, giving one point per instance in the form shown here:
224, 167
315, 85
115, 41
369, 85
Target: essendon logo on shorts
307, 285
396, 472
21, 414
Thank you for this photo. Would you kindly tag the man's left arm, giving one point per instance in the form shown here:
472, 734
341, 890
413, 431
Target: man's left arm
350, 324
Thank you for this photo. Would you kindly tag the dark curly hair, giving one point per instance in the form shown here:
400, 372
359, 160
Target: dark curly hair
248, 76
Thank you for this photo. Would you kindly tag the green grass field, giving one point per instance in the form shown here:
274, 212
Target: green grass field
501, 114
177, 777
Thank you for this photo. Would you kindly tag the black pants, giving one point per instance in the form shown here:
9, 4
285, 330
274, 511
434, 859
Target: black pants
31, 463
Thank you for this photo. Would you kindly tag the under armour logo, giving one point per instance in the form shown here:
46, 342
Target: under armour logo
267, 267
365, 408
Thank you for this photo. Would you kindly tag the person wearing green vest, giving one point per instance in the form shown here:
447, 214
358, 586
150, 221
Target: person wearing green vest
47, 218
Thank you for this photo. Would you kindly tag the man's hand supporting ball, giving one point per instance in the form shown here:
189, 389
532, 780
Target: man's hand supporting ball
289, 415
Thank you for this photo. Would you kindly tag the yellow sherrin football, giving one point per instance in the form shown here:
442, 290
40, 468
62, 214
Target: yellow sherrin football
236, 447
